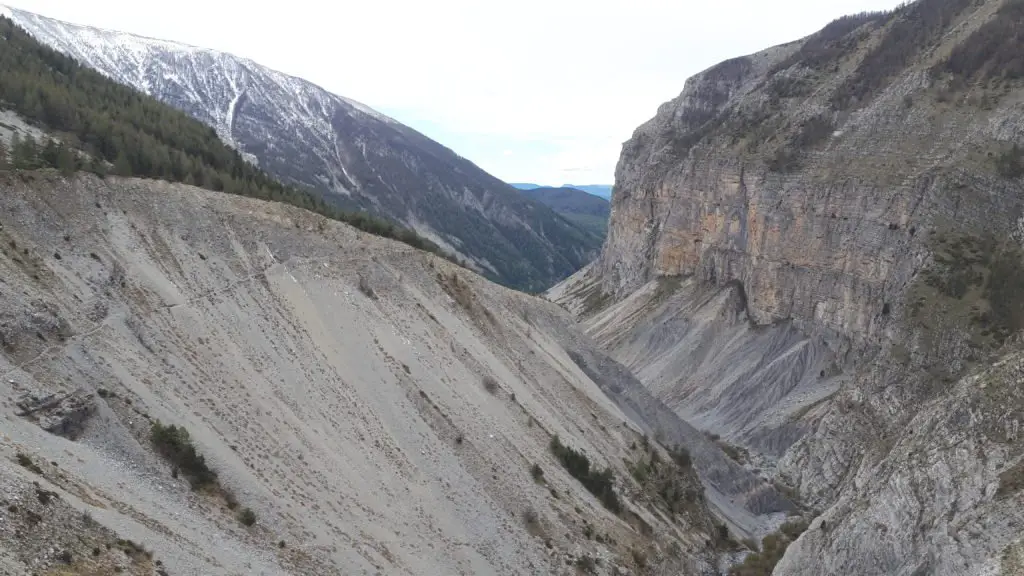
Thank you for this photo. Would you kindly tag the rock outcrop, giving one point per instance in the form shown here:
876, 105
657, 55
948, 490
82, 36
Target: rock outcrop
61, 414
810, 253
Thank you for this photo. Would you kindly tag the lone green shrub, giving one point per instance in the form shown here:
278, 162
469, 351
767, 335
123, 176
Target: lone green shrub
586, 564
26, 462
247, 517
537, 473
175, 444
773, 547
600, 484
681, 456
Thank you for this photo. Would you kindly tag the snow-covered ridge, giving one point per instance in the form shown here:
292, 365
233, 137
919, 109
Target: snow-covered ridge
108, 50
353, 156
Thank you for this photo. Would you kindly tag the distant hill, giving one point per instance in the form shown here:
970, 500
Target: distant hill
602, 190
583, 209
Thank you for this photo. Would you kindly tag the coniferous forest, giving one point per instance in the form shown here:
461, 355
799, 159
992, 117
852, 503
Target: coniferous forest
104, 127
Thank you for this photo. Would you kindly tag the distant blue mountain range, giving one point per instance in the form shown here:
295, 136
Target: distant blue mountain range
600, 190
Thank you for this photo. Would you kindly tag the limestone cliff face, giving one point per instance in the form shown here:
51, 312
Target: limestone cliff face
810, 254
757, 173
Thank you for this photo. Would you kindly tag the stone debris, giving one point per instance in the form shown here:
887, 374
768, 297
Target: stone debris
61, 414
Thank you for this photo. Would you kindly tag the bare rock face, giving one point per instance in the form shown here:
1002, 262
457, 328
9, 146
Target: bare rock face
60, 414
809, 254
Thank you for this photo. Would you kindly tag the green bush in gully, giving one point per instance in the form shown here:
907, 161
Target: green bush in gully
600, 484
175, 444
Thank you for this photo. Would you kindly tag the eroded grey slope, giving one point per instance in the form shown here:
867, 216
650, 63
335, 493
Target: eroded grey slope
334, 381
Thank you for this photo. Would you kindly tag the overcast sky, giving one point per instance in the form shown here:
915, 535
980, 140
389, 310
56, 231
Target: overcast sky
531, 90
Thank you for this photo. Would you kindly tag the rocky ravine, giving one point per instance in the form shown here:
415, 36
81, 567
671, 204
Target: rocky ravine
377, 408
811, 253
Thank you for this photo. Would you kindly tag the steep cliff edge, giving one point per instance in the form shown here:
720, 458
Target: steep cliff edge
810, 253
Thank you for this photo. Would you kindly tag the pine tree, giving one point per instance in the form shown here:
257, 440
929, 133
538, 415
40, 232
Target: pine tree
122, 167
66, 161
26, 155
48, 154
15, 147
98, 167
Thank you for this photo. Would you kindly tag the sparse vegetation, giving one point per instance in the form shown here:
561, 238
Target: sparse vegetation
1010, 163
366, 289
665, 483
681, 456
462, 293
735, 453
1012, 480
490, 384
915, 28
25, 461
639, 558
537, 473
981, 276
784, 160
600, 484
44, 496
532, 522
175, 444
814, 131
780, 87
247, 517
824, 49
773, 547
992, 52
586, 564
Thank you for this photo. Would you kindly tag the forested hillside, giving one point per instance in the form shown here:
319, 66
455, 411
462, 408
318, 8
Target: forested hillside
587, 211
105, 127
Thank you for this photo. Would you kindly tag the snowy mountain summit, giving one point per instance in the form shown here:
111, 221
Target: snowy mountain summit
354, 156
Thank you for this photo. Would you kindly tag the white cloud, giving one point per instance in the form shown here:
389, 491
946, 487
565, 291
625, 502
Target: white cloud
578, 75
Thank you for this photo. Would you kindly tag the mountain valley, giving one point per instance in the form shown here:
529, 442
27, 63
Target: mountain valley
798, 352
585, 210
